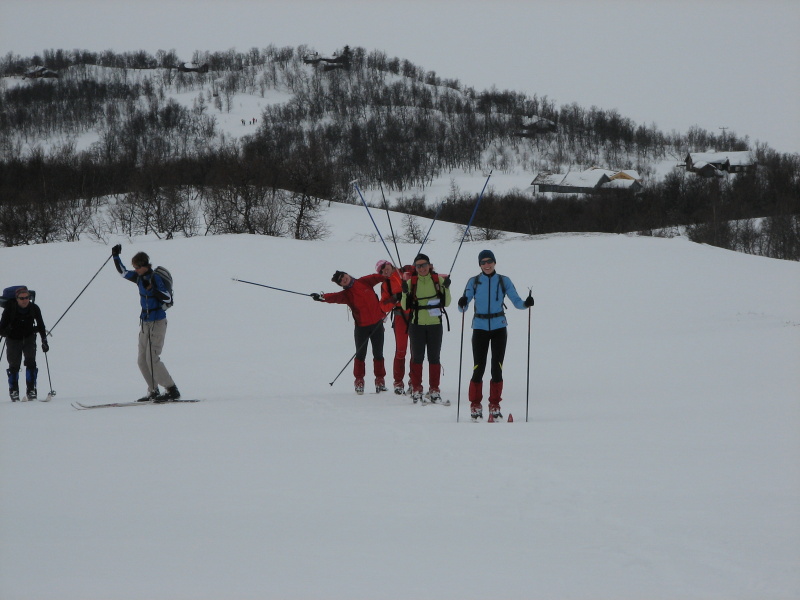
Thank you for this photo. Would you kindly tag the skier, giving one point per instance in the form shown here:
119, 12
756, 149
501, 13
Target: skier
391, 295
153, 295
489, 289
425, 295
368, 316
21, 321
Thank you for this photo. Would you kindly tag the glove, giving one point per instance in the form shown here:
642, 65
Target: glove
397, 297
318, 298
45, 346
529, 300
446, 282
405, 287
116, 250
462, 302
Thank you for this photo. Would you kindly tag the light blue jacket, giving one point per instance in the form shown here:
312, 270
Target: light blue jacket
489, 294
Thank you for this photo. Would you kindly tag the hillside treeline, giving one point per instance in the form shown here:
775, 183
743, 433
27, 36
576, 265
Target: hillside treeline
382, 120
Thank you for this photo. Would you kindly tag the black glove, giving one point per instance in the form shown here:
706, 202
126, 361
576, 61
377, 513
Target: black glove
45, 346
446, 282
462, 302
318, 298
529, 300
405, 287
398, 297
116, 250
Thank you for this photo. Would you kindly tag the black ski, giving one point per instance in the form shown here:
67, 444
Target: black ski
79, 406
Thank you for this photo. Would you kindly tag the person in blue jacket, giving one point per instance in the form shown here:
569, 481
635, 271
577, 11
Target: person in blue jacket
489, 290
153, 296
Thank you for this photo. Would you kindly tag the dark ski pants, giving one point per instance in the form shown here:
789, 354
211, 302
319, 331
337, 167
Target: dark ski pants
373, 333
482, 340
425, 338
17, 348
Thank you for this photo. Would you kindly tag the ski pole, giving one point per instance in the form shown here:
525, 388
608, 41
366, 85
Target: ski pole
52, 392
389, 218
460, 360
363, 344
364, 202
2, 349
475, 210
528, 386
79, 295
270, 287
436, 216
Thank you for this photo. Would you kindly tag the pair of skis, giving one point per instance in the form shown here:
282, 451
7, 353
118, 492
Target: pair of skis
79, 406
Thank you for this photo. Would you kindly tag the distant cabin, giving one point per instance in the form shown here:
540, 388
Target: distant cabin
337, 62
591, 181
717, 164
535, 125
40, 73
192, 68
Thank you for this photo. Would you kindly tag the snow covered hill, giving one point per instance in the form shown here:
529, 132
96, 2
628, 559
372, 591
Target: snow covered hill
659, 459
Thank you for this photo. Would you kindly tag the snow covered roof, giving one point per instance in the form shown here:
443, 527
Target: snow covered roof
716, 158
592, 178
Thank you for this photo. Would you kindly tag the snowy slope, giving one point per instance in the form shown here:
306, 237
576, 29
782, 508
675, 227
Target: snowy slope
659, 460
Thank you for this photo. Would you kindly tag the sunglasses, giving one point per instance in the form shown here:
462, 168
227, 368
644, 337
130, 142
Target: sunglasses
420, 265
23, 297
487, 261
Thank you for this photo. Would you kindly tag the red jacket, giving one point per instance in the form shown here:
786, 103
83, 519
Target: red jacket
361, 299
390, 288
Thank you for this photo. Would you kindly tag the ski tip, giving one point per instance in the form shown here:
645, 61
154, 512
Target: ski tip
510, 418
491, 419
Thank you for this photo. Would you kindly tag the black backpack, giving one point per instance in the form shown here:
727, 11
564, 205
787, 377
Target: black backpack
166, 277
10, 294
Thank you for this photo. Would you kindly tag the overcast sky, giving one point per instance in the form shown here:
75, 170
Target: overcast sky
675, 63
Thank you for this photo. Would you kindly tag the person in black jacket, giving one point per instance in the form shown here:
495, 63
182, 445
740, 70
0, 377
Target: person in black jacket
21, 321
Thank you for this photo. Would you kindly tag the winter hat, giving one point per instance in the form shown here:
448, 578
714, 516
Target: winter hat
486, 254
20, 290
422, 257
380, 264
337, 276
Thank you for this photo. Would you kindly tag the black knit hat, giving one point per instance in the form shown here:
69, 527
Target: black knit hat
486, 254
422, 257
337, 276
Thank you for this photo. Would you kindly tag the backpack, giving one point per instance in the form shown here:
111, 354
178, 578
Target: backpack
166, 277
10, 293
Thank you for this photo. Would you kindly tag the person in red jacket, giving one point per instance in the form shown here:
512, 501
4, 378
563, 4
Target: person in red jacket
391, 294
368, 316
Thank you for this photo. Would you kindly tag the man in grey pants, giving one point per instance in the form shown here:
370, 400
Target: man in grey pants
154, 295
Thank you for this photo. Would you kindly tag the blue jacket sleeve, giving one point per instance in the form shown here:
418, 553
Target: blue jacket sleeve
512, 294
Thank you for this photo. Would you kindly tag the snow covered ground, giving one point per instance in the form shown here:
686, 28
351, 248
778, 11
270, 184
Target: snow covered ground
660, 459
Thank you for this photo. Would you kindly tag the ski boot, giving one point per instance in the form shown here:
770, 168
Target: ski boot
359, 386
434, 396
30, 382
399, 389
150, 397
416, 397
170, 395
13, 384
380, 385
476, 412
494, 412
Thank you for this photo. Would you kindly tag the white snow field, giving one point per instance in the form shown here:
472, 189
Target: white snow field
660, 459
